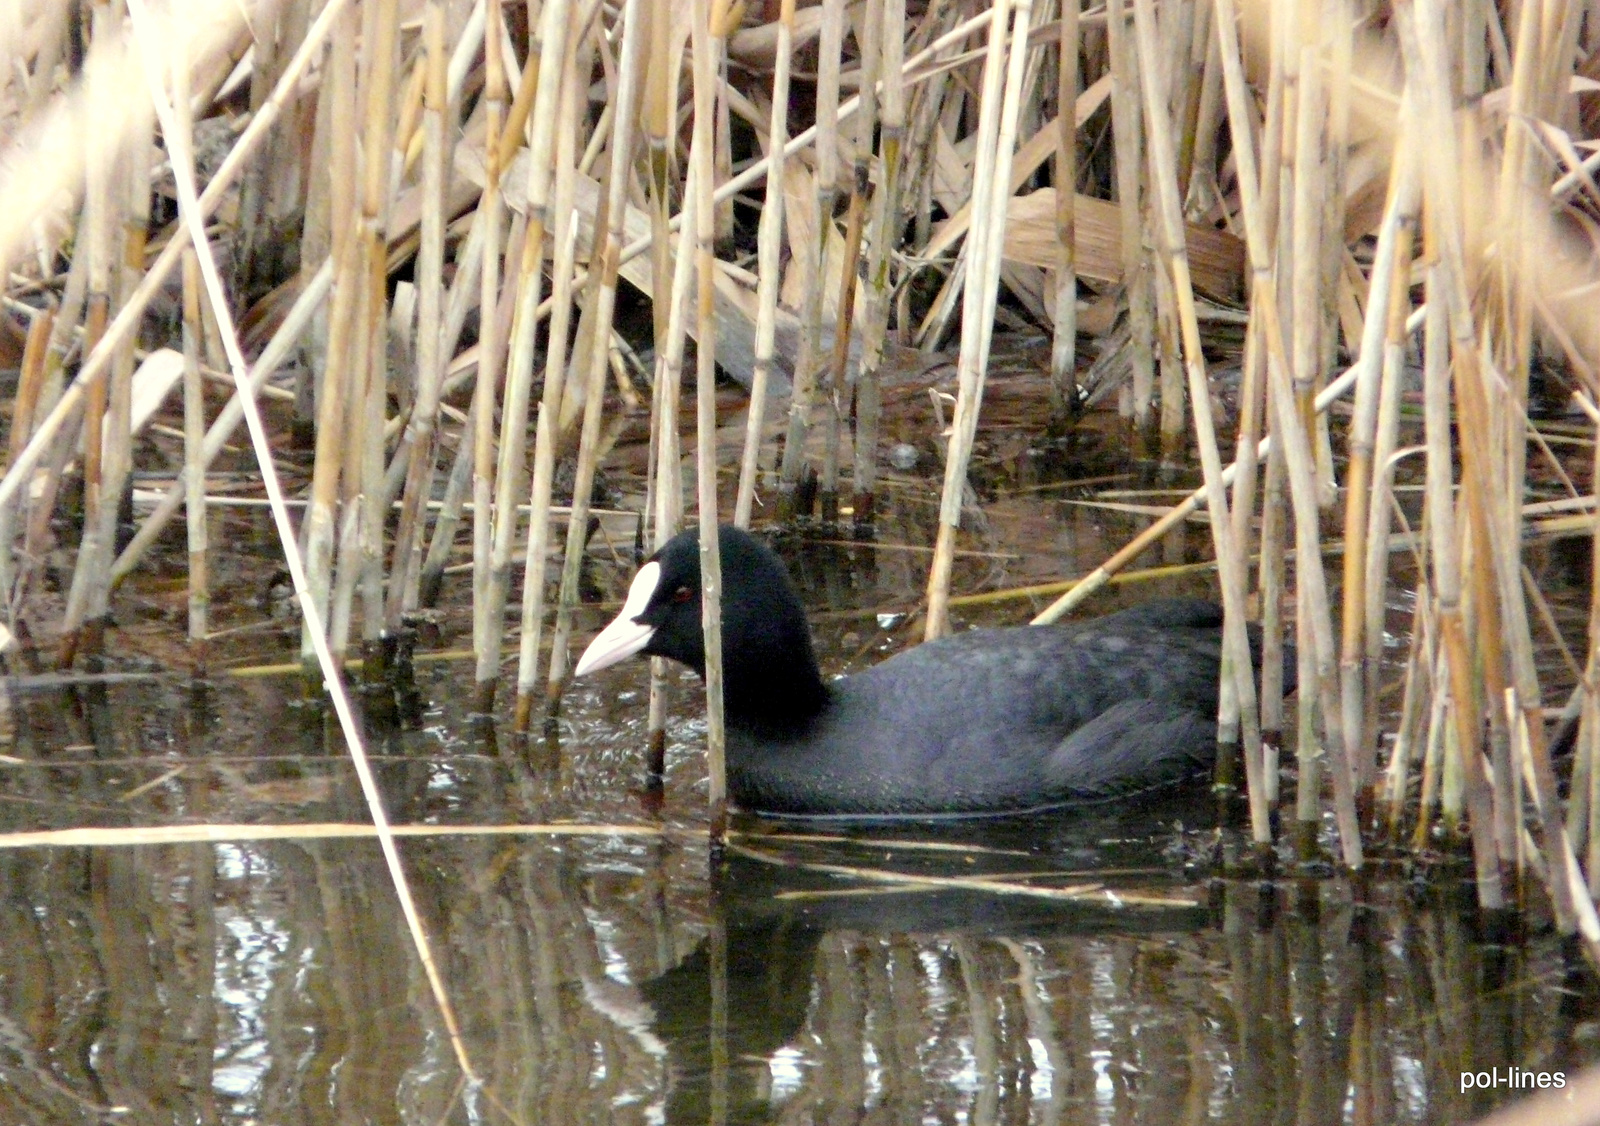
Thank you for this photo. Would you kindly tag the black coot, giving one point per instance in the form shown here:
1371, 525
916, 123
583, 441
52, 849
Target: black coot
985, 722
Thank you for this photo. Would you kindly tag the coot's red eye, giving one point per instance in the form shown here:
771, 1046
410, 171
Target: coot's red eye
682, 594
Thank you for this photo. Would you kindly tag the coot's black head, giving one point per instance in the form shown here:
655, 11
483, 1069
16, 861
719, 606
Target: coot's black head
770, 675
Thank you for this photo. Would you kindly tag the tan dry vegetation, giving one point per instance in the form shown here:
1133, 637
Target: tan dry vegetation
400, 197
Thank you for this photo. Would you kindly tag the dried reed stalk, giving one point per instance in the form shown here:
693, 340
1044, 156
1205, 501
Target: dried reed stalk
1236, 664
1129, 143
419, 441
1064, 315
194, 422
30, 384
1391, 268
552, 48
490, 345
380, 55
769, 240
669, 483
808, 365
1498, 533
1176, 34
833, 391
333, 380
704, 187
102, 212
881, 235
1420, 662
598, 319
134, 174
997, 134
1290, 429
869, 30
1386, 456
546, 436
1442, 292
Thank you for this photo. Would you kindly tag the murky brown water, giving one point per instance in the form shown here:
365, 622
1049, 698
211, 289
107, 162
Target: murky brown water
616, 975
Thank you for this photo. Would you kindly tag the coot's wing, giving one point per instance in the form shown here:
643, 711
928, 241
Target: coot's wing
1132, 746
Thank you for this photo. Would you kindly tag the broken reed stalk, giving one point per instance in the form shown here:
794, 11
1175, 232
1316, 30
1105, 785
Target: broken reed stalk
997, 132
183, 169
703, 174
1236, 664
1064, 338
803, 395
769, 242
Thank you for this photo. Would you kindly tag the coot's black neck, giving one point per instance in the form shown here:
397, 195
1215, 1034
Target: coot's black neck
773, 697
771, 682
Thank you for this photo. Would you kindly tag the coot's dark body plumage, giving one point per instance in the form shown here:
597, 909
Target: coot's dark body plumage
983, 722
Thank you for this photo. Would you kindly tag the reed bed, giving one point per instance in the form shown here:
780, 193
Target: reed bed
426, 214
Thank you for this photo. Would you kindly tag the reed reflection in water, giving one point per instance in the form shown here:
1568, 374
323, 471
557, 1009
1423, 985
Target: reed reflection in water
615, 979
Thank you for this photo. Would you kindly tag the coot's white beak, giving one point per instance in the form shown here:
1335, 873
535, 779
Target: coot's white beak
623, 637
